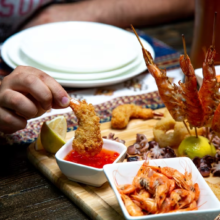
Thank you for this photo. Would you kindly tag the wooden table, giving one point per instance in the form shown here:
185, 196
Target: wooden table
25, 193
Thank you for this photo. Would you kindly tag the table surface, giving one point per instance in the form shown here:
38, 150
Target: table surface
25, 193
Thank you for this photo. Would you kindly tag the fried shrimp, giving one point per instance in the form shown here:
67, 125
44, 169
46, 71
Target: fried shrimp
88, 140
168, 132
122, 114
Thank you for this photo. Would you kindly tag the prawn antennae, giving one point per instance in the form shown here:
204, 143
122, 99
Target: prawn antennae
202, 204
114, 177
148, 57
184, 46
213, 35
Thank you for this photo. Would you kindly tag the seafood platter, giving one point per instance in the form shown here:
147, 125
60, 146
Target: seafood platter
161, 164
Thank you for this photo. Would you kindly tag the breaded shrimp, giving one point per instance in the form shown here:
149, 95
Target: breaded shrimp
122, 114
88, 140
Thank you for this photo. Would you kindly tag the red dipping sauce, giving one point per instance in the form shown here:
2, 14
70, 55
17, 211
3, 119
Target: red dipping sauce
104, 157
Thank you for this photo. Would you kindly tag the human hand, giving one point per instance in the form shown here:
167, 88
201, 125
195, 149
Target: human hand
27, 93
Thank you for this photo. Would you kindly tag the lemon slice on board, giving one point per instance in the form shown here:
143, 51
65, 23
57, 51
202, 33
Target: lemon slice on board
52, 135
193, 146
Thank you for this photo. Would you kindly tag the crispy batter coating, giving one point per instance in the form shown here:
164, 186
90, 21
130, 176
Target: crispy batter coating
122, 114
168, 132
88, 140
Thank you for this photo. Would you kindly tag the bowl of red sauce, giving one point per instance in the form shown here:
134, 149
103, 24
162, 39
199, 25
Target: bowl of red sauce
89, 170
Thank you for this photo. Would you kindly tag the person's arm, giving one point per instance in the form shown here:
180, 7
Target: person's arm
120, 13
27, 93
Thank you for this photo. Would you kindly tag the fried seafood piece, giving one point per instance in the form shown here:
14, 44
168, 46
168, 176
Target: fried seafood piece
168, 132
88, 140
122, 114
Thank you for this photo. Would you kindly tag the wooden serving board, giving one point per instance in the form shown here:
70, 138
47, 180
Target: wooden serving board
99, 203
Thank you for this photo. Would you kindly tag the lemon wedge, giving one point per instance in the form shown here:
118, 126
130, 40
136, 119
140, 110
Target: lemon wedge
52, 135
193, 146
38, 144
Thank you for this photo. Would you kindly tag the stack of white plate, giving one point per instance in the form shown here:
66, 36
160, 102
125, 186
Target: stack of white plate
78, 54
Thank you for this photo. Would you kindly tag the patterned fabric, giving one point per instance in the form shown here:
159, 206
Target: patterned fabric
166, 58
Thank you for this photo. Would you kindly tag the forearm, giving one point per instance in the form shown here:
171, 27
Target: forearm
122, 13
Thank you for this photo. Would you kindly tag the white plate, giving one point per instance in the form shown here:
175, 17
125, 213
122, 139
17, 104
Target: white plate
11, 49
123, 173
10, 45
80, 46
87, 84
18, 57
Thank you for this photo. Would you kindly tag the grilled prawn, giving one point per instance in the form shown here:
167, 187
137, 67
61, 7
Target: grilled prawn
193, 105
169, 93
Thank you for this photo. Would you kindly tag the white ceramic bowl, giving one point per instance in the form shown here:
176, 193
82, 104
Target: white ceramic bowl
209, 206
86, 174
199, 75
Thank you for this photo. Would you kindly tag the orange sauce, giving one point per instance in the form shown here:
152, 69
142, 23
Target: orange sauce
98, 161
218, 78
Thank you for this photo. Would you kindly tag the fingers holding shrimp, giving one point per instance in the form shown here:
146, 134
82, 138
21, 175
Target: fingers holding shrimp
88, 140
26, 93
19, 103
11, 122
38, 84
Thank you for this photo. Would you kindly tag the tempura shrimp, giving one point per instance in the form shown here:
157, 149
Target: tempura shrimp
88, 140
122, 114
